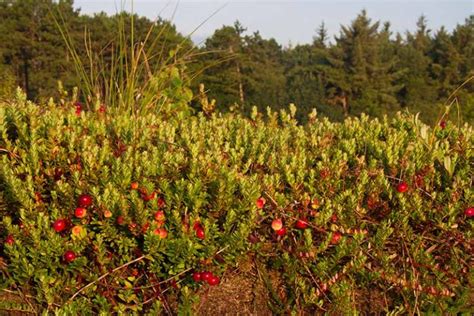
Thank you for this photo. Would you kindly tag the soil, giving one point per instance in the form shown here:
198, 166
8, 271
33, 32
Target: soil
241, 292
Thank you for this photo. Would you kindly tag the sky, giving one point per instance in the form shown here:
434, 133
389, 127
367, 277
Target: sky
291, 21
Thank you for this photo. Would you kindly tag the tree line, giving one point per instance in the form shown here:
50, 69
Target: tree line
365, 68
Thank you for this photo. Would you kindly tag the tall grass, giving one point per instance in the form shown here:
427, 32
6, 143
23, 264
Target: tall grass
125, 80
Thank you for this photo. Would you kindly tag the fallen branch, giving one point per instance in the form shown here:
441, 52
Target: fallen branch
104, 276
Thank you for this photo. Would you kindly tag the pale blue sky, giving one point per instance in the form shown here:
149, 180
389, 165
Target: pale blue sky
290, 21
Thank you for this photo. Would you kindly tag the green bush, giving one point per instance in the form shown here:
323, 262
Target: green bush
363, 239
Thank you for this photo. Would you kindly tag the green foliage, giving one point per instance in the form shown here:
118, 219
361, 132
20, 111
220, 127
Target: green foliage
340, 177
36, 53
377, 72
156, 170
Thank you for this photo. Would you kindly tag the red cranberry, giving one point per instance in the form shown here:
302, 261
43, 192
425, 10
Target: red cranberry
206, 275
59, 225
260, 202
469, 212
84, 200
80, 212
197, 277
69, 256
281, 232
402, 187
213, 280
10, 240
200, 233
336, 236
301, 223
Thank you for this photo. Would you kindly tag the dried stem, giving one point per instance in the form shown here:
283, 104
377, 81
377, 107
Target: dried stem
104, 276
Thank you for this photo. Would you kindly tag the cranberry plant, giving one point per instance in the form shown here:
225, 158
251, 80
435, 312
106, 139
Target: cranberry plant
104, 210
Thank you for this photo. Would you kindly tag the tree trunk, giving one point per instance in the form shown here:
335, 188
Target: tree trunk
26, 79
239, 78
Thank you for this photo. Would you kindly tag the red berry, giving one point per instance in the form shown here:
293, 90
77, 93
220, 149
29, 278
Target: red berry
200, 233
69, 256
9, 240
197, 277
84, 200
402, 187
281, 232
260, 202
80, 212
197, 225
277, 224
159, 216
145, 227
102, 108
134, 186
443, 124
336, 236
206, 275
59, 225
148, 197
469, 212
213, 280
301, 223
160, 202
324, 173
174, 284
120, 220
161, 232
132, 226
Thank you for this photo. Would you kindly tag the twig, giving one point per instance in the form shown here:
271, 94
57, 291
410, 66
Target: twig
24, 296
12, 154
398, 179
17, 311
162, 292
174, 276
104, 276
316, 283
322, 230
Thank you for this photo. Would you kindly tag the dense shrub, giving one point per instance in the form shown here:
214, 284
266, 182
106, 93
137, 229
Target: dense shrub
352, 235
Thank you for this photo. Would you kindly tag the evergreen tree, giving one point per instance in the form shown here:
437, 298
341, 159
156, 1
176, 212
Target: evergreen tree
263, 72
223, 66
445, 63
305, 79
32, 44
360, 70
463, 41
419, 92
321, 38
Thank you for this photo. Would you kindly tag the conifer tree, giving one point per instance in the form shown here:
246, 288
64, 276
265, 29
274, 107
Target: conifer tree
223, 65
262, 72
360, 68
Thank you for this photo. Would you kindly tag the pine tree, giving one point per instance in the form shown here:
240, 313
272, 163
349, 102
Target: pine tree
33, 46
321, 38
361, 68
446, 62
263, 72
463, 41
223, 66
